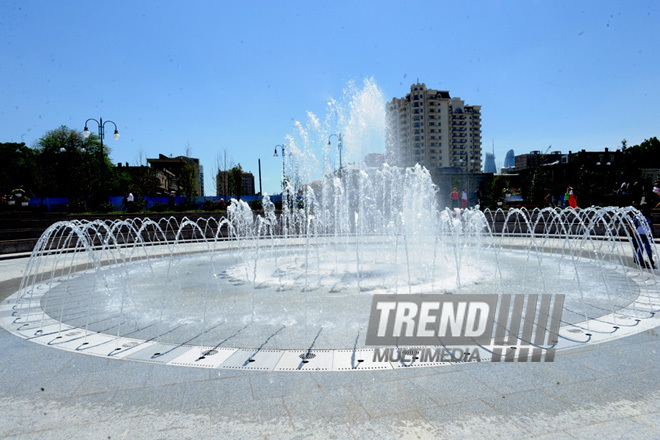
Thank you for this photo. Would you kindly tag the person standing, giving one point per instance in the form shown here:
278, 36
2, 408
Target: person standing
656, 191
464, 199
643, 227
572, 201
129, 202
454, 198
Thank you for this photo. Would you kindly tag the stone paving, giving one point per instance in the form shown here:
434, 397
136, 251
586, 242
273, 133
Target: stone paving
609, 390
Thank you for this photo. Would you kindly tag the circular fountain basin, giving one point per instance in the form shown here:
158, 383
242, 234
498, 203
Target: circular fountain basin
206, 299
298, 309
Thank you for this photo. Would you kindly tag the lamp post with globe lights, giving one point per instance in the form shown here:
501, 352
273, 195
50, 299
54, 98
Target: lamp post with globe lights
86, 134
283, 149
340, 146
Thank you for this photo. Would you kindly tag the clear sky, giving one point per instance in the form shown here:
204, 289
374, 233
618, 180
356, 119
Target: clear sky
236, 76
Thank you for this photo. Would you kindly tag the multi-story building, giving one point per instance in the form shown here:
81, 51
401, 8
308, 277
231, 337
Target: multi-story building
175, 165
510, 159
430, 128
223, 185
490, 167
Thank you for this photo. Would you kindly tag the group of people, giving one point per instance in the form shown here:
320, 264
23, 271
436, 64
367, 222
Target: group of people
633, 195
567, 199
636, 195
453, 196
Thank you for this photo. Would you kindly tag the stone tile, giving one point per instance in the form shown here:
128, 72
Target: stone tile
328, 407
25, 416
261, 417
172, 425
112, 429
338, 431
454, 387
618, 359
472, 419
612, 430
217, 392
158, 375
381, 399
538, 413
396, 426
274, 384
505, 378
564, 369
649, 420
163, 398
555, 436
112, 379
594, 392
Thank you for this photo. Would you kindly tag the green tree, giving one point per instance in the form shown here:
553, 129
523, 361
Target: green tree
496, 191
18, 167
187, 182
236, 181
72, 166
539, 187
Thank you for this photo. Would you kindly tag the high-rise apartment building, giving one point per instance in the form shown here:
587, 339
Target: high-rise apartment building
430, 128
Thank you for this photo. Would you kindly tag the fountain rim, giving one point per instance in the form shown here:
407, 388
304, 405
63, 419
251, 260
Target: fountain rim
290, 355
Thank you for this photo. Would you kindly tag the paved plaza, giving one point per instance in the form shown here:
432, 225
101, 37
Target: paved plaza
608, 390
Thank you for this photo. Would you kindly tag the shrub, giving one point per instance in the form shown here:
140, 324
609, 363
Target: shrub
159, 207
256, 205
77, 205
105, 206
184, 205
137, 205
209, 205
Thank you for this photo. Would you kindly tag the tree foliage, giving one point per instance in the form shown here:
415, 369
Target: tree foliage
68, 164
236, 181
18, 167
187, 181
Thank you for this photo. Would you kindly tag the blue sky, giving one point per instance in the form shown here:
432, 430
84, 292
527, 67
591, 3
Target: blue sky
236, 76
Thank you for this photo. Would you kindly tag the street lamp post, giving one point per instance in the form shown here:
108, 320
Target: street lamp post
283, 148
339, 146
101, 125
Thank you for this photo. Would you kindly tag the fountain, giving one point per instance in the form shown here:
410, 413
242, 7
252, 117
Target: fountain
292, 290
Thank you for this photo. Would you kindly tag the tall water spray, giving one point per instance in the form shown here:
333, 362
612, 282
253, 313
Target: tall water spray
302, 277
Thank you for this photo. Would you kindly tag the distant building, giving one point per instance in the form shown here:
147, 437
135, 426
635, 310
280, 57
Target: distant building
175, 165
223, 187
374, 160
510, 159
430, 128
535, 159
201, 180
490, 167
148, 181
